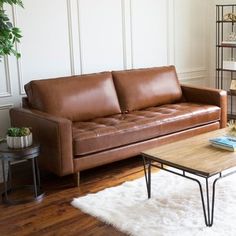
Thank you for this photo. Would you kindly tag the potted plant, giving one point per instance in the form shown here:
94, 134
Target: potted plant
19, 137
9, 34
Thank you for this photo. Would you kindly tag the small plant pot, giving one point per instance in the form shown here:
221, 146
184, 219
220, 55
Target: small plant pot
20, 142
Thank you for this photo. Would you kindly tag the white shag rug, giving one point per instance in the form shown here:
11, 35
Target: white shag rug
174, 209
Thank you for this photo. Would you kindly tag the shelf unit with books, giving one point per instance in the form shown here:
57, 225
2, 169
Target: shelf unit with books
226, 51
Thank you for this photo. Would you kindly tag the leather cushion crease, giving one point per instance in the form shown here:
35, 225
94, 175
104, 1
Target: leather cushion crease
142, 88
77, 98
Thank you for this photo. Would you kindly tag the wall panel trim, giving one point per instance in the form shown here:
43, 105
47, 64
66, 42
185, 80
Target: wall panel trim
19, 61
80, 39
18, 48
6, 106
192, 75
8, 92
170, 32
131, 34
125, 66
71, 46
193, 70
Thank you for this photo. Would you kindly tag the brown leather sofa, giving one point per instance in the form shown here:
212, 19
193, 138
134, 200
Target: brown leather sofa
90, 120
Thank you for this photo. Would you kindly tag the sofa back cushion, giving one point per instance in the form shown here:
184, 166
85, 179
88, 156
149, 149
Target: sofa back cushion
77, 98
142, 88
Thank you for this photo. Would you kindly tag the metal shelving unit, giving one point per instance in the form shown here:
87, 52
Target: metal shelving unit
225, 52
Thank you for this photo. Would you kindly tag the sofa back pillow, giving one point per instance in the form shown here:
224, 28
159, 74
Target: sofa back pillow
77, 98
142, 88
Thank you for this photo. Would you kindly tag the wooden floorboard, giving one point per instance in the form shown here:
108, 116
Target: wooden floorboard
54, 215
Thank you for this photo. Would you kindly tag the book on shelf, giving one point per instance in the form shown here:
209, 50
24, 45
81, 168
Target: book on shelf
224, 142
228, 43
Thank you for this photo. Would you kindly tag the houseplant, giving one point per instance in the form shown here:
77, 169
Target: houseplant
9, 34
19, 137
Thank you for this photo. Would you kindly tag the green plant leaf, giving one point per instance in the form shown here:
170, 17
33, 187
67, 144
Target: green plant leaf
18, 132
9, 34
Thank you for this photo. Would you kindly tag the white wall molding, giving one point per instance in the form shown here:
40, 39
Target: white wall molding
80, 38
126, 34
150, 35
74, 27
8, 92
190, 78
193, 76
193, 70
70, 40
195, 81
70, 37
19, 60
193, 73
131, 34
102, 31
190, 33
171, 32
6, 106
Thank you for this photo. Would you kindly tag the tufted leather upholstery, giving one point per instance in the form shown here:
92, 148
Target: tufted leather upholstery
79, 123
121, 129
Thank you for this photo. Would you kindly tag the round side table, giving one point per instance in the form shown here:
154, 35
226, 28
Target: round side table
7, 156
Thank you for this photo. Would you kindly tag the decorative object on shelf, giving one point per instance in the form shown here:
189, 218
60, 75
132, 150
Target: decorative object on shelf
9, 34
229, 17
231, 36
228, 43
230, 39
229, 64
231, 128
19, 137
233, 86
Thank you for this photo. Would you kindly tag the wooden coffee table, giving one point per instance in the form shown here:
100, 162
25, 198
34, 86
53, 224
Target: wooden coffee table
193, 157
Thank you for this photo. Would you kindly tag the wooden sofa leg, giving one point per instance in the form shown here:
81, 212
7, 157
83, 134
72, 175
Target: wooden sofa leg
77, 179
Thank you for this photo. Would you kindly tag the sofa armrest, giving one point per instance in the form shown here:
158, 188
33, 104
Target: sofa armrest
209, 96
54, 135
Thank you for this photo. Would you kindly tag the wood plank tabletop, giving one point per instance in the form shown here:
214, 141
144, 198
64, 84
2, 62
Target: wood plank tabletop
195, 154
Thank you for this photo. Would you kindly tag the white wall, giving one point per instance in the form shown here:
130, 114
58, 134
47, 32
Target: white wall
65, 37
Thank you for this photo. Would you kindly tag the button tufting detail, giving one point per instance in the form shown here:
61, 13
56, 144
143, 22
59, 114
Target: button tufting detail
106, 132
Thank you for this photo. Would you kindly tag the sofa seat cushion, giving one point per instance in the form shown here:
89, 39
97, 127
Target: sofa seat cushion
122, 129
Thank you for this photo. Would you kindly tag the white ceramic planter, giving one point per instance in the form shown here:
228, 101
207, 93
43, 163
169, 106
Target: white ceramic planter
20, 142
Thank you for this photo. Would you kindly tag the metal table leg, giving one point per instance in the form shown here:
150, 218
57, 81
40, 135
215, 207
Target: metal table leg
4, 194
34, 178
147, 162
207, 206
207, 203
36, 187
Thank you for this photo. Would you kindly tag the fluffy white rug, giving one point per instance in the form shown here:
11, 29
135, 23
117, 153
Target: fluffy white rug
174, 209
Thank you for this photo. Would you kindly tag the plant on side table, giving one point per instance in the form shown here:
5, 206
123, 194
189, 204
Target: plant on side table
19, 137
9, 34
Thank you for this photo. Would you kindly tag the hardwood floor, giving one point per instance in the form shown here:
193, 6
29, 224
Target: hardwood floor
54, 215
